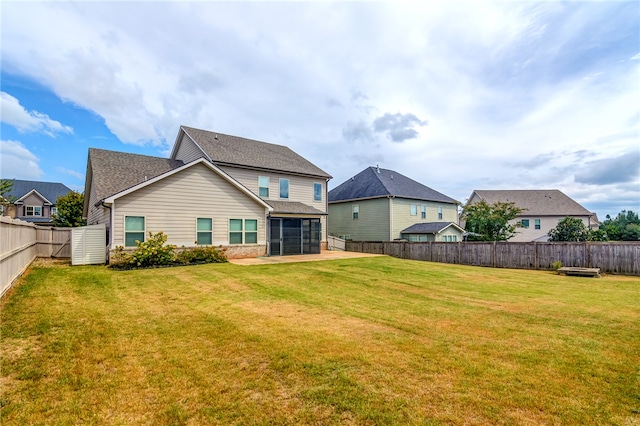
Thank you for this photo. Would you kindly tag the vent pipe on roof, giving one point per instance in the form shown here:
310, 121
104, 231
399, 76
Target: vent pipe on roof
377, 168
216, 137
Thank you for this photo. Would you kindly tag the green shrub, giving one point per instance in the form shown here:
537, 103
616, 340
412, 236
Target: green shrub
556, 265
153, 251
201, 254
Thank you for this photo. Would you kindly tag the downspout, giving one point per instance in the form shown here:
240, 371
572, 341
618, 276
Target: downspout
390, 197
110, 231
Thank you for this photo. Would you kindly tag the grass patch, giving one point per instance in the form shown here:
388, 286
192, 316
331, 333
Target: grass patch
360, 341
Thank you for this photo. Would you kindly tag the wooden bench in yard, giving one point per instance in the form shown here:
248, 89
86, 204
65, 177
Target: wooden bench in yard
579, 272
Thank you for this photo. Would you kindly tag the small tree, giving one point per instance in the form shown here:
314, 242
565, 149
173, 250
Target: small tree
625, 227
569, 229
5, 188
70, 208
490, 222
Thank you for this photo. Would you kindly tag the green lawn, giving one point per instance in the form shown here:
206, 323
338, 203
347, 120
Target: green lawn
377, 341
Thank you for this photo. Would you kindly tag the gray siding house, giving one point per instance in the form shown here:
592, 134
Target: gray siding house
34, 201
252, 197
543, 209
383, 205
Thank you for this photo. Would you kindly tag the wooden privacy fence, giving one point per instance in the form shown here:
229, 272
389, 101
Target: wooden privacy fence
21, 242
611, 257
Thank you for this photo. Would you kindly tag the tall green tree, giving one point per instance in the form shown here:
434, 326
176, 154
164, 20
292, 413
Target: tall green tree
69, 210
625, 226
569, 229
490, 222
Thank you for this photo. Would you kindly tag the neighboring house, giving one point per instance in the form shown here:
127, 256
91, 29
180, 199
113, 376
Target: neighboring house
383, 205
254, 198
34, 201
543, 209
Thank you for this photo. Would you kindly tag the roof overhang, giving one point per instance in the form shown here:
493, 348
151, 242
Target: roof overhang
33, 191
111, 199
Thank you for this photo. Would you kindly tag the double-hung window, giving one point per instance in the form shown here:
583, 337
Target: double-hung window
423, 213
439, 213
204, 231
33, 211
414, 209
355, 211
525, 223
284, 188
133, 230
537, 223
317, 192
263, 186
243, 231
54, 210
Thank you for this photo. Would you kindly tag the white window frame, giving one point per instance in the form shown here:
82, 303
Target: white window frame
54, 210
414, 209
261, 186
317, 185
33, 211
525, 225
198, 231
439, 212
355, 211
244, 231
537, 223
280, 182
423, 211
144, 230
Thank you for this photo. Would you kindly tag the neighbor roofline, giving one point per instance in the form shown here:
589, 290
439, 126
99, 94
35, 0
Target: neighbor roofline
31, 192
178, 141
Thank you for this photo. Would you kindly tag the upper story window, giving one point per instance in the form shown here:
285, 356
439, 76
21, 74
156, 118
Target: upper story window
204, 231
414, 209
355, 211
537, 223
439, 213
423, 213
263, 186
54, 210
317, 192
525, 223
133, 230
33, 211
284, 188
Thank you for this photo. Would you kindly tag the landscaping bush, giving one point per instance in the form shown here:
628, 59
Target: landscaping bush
201, 254
154, 252
556, 265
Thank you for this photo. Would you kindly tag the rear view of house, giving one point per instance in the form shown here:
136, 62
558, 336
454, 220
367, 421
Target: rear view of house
252, 197
542, 210
383, 205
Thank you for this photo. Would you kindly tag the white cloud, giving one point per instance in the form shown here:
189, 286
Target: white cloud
18, 162
15, 115
511, 90
77, 175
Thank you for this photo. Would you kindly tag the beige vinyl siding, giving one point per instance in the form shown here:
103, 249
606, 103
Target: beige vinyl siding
372, 223
546, 224
96, 215
188, 151
402, 217
172, 205
300, 188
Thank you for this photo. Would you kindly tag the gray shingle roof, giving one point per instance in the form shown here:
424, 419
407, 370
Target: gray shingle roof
233, 150
114, 171
293, 207
537, 202
50, 190
426, 228
373, 182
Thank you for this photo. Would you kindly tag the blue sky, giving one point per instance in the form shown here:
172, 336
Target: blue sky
456, 95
